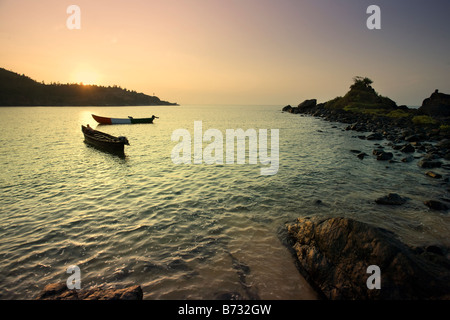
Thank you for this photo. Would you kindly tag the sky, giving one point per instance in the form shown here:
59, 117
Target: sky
268, 52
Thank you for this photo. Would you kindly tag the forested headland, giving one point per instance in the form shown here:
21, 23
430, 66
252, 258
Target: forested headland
20, 90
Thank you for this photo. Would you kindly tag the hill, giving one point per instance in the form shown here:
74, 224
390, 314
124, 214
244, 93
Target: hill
20, 90
362, 98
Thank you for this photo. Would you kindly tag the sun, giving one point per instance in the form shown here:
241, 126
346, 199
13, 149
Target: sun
86, 76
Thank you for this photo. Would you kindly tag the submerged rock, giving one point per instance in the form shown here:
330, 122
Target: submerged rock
243, 270
413, 138
408, 159
444, 143
334, 255
59, 291
436, 205
362, 155
426, 163
375, 136
383, 156
391, 199
378, 151
408, 148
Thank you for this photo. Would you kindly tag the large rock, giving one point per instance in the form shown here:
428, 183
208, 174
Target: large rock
438, 104
59, 291
308, 103
287, 108
334, 254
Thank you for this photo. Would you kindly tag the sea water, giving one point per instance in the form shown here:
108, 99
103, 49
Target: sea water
186, 231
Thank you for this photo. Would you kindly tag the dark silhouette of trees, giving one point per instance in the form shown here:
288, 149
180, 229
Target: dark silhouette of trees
20, 90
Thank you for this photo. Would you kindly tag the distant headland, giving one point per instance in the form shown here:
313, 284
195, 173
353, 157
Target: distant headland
20, 90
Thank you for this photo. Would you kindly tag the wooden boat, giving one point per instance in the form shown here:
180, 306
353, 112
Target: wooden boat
104, 141
129, 120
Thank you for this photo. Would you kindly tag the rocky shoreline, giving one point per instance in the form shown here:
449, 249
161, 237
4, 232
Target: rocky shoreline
430, 143
333, 254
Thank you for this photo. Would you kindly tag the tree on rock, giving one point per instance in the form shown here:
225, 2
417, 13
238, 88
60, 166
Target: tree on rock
361, 83
362, 98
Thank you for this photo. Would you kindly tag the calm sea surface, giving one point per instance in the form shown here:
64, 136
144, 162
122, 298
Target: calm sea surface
185, 231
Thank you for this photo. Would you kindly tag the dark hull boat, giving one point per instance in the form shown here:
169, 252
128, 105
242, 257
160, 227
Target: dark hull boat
129, 120
104, 141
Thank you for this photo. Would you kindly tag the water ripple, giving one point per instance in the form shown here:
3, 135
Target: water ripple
185, 231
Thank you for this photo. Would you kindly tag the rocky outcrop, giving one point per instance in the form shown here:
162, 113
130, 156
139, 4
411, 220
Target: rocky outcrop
287, 108
303, 107
334, 255
437, 105
59, 291
306, 105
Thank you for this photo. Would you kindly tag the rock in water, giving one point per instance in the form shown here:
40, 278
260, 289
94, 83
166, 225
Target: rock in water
425, 163
334, 254
243, 270
375, 136
385, 156
408, 159
287, 108
59, 291
362, 155
413, 138
377, 152
391, 199
436, 205
408, 148
444, 143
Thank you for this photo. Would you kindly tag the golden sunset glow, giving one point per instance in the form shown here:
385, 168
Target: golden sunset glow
238, 52
85, 76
